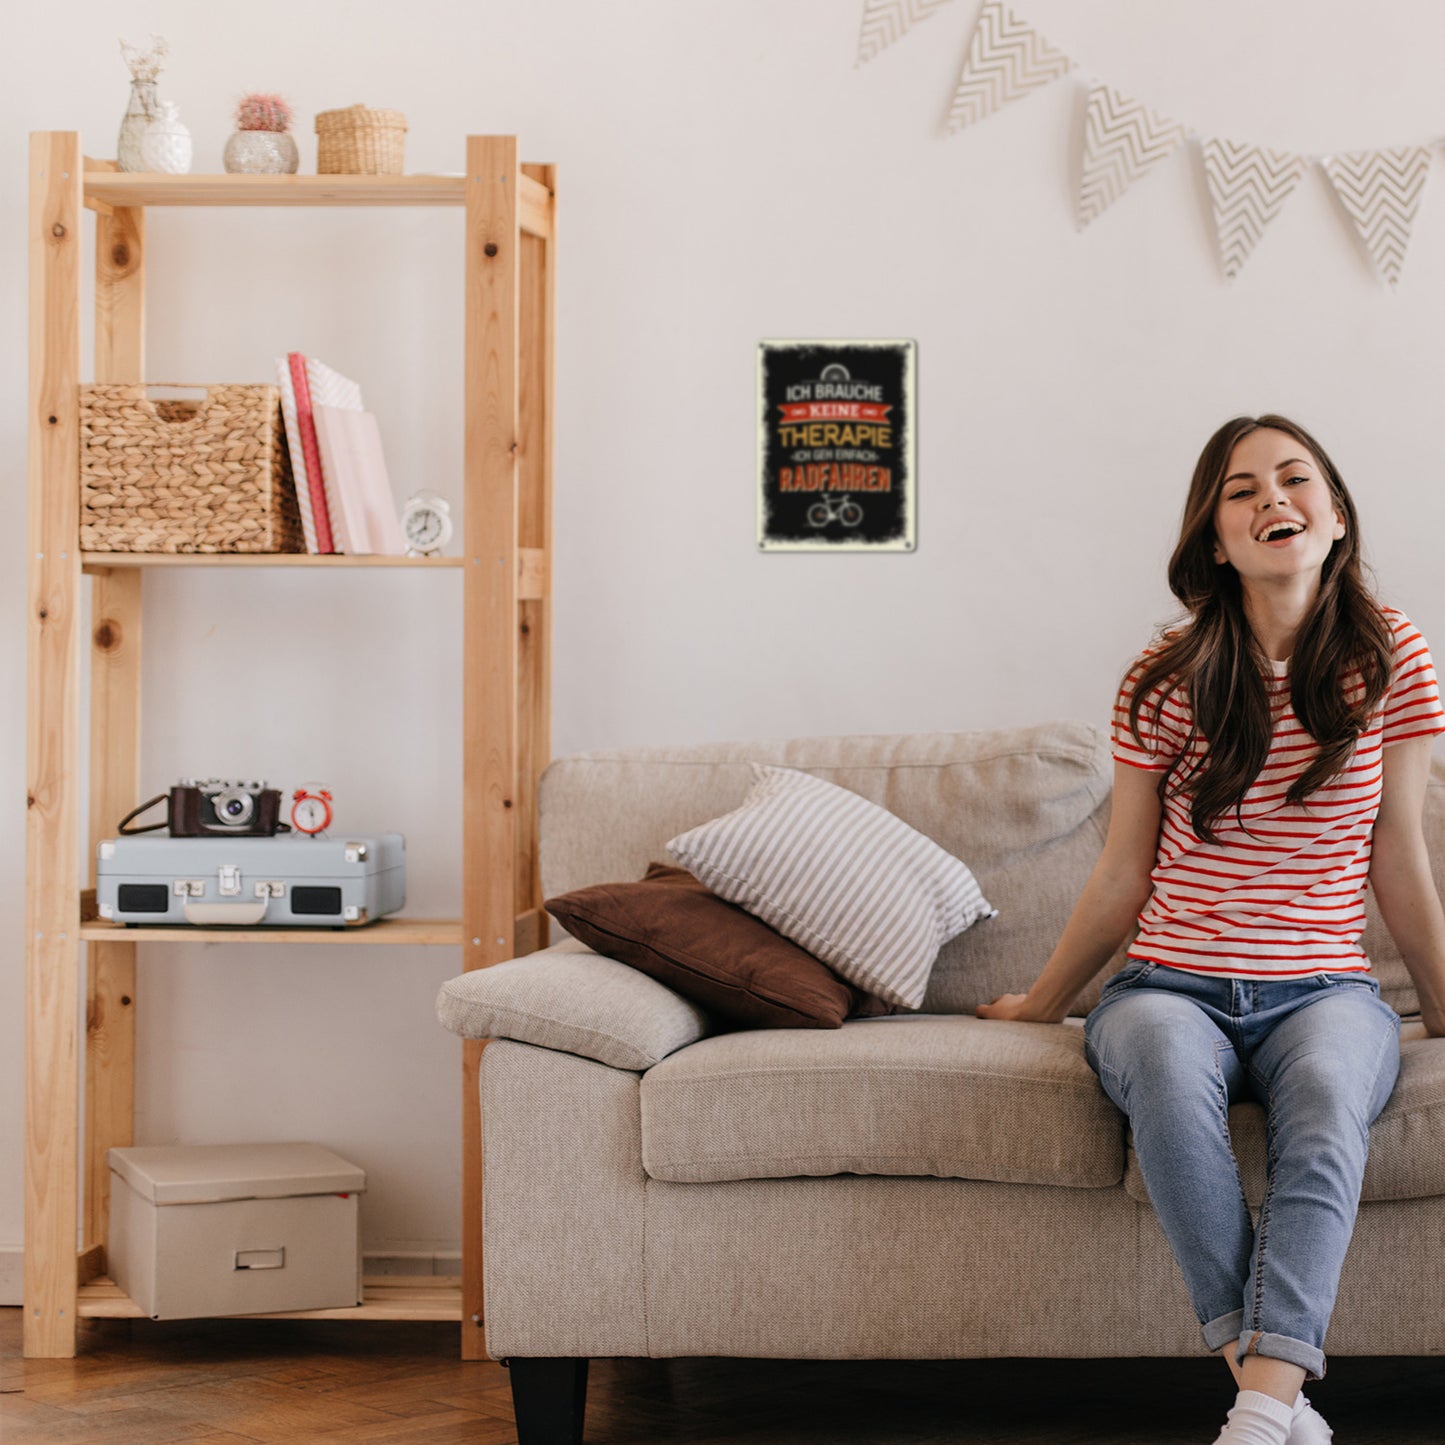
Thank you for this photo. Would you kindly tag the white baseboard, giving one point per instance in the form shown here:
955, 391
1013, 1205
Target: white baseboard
12, 1274
12, 1268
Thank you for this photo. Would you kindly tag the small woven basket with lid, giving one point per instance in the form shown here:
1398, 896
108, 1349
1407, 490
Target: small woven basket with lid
186, 476
359, 142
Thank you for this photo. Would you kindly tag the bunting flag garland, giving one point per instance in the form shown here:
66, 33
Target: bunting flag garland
1006, 59
1381, 190
885, 21
1248, 186
1122, 140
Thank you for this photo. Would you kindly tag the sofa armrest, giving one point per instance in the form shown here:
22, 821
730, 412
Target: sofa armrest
575, 1001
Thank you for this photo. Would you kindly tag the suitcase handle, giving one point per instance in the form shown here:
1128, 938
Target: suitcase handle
236, 913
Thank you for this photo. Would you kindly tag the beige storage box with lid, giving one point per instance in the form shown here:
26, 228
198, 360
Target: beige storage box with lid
235, 1229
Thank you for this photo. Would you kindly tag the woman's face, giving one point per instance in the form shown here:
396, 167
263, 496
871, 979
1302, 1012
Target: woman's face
1274, 519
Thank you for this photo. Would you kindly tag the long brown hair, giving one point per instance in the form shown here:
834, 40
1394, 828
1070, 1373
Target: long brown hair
1219, 663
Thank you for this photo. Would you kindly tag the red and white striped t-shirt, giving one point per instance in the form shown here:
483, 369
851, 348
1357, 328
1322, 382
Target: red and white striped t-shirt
1285, 899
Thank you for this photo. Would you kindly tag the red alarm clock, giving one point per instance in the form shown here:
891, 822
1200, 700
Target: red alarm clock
311, 809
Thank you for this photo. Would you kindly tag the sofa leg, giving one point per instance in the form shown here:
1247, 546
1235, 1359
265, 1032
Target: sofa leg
549, 1397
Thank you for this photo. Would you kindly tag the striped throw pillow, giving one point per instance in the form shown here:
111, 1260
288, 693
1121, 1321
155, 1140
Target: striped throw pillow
843, 878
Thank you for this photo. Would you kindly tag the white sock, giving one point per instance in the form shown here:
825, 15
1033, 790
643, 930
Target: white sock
1307, 1425
1257, 1419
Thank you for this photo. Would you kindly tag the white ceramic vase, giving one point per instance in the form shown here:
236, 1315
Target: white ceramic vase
261, 152
166, 146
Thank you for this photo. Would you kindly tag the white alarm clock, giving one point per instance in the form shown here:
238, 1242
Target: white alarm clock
426, 524
311, 809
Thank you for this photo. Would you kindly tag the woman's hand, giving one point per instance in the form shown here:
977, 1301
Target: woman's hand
1011, 1006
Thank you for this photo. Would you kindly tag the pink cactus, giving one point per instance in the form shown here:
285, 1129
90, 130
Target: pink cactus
263, 112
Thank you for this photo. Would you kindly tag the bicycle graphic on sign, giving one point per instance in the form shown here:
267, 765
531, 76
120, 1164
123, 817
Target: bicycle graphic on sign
845, 510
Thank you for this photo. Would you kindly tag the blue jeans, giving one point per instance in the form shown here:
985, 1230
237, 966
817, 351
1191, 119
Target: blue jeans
1173, 1050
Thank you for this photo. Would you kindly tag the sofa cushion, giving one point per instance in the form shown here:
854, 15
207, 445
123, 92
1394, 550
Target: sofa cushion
575, 1001
1407, 1141
951, 1097
842, 877
674, 929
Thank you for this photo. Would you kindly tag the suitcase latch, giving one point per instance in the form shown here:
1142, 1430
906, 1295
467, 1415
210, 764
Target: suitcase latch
229, 880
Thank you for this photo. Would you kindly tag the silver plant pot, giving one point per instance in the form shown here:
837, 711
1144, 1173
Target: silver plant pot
261, 153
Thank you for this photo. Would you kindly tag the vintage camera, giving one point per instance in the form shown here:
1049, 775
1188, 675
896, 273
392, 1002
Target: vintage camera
218, 806
215, 806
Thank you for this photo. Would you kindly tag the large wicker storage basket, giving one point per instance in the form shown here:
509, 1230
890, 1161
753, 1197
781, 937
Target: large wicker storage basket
359, 142
185, 476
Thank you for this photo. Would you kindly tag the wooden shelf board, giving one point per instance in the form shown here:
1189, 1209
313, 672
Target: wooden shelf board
386, 1297
531, 563
99, 561
146, 188
109, 188
384, 930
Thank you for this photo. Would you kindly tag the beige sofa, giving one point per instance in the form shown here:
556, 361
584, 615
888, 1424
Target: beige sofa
916, 1186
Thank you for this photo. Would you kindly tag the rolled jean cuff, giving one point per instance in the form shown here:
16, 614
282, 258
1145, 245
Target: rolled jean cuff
1281, 1347
1223, 1331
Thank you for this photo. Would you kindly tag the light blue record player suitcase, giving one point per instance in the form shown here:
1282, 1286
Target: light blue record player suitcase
250, 881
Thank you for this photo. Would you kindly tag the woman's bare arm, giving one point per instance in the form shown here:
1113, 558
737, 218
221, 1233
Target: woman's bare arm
1400, 875
1117, 890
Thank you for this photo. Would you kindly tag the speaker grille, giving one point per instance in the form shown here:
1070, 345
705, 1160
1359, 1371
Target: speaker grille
143, 898
316, 900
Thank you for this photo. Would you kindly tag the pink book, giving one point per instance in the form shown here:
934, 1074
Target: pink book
363, 508
306, 425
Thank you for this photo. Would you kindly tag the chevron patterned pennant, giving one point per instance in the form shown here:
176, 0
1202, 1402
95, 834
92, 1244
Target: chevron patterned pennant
1248, 186
1122, 140
1006, 59
1381, 190
885, 21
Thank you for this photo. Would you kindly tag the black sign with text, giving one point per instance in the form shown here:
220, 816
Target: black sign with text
836, 446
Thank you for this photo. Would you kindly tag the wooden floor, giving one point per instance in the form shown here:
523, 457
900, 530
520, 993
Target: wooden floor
137, 1382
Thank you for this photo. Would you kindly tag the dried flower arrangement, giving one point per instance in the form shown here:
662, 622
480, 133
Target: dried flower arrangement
260, 111
144, 64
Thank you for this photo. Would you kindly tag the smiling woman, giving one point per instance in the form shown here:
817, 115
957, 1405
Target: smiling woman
1271, 758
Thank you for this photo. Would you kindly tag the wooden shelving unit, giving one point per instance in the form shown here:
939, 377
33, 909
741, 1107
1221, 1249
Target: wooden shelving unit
508, 269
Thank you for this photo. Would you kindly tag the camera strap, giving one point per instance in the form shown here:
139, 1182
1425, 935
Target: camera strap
145, 807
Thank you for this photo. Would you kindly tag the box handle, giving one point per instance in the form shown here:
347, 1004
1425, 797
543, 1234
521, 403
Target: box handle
260, 1259
151, 404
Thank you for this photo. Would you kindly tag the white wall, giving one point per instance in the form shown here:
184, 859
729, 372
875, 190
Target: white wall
727, 174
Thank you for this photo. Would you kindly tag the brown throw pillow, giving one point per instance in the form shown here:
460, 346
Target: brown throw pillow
670, 927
